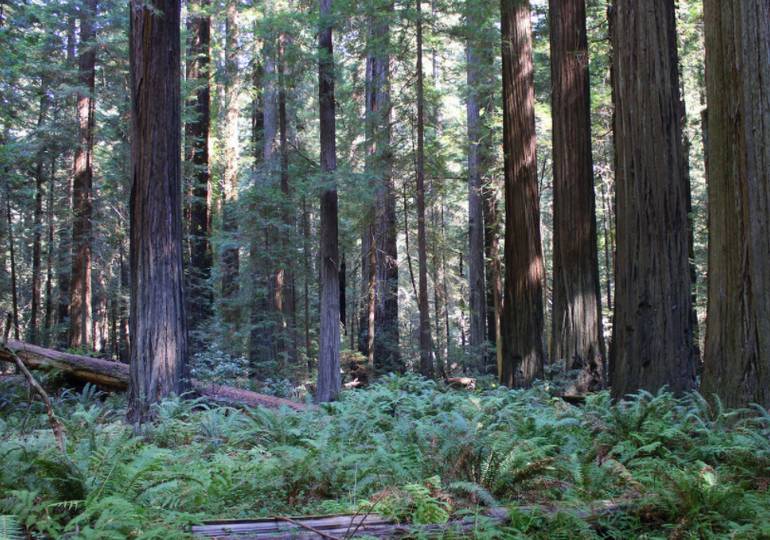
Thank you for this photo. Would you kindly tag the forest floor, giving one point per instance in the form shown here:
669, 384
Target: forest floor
405, 448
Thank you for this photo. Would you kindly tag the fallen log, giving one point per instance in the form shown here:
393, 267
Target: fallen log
376, 526
114, 376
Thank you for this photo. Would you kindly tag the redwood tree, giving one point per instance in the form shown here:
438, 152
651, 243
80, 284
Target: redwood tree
158, 328
652, 340
329, 343
576, 320
522, 318
737, 353
82, 190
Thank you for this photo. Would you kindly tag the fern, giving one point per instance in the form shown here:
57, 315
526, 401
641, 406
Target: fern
10, 528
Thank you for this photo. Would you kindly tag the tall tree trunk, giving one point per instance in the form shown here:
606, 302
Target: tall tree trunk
230, 258
64, 255
82, 191
522, 317
158, 327
329, 354
306, 266
426, 340
577, 315
477, 142
49, 315
37, 233
652, 341
285, 301
737, 353
494, 274
379, 238
197, 152
272, 315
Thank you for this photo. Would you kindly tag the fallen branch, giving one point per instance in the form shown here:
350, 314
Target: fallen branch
114, 375
56, 426
325, 527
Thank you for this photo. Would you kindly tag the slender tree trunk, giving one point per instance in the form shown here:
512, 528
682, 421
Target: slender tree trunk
12, 251
37, 233
378, 242
522, 317
261, 335
307, 267
230, 258
158, 327
124, 349
272, 315
197, 152
329, 355
426, 340
285, 275
82, 190
476, 282
577, 315
64, 256
737, 352
494, 293
49, 315
652, 342
606, 225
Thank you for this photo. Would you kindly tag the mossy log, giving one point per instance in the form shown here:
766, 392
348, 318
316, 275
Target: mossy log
114, 376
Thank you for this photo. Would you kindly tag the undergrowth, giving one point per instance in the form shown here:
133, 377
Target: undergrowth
406, 448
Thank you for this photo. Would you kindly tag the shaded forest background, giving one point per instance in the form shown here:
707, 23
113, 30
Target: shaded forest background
255, 311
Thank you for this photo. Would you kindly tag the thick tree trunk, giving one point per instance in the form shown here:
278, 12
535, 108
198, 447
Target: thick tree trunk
329, 381
230, 257
737, 353
652, 342
577, 315
522, 317
82, 191
426, 340
158, 326
197, 152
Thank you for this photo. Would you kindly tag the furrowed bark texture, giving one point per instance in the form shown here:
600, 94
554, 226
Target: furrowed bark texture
522, 318
158, 328
577, 322
82, 190
329, 381
652, 343
737, 353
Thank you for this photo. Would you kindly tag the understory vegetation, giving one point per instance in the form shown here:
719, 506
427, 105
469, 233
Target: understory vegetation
406, 447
